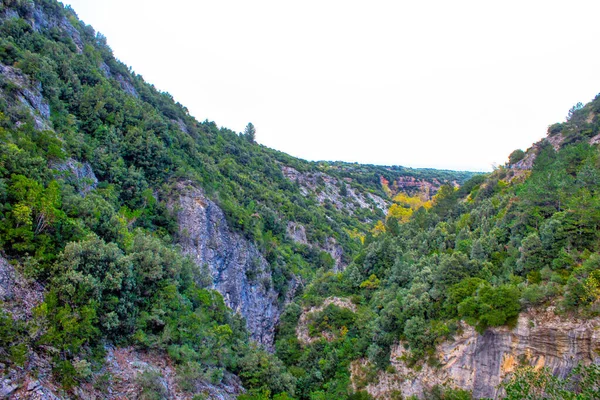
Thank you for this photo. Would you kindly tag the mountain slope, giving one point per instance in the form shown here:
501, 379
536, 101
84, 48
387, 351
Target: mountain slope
500, 273
126, 222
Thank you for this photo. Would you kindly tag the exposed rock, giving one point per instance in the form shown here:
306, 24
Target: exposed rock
105, 69
127, 364
412, 185
238, 269
480, 363
302, 332
526, 163
125, 367
7, 387
123, 81
555, 140
380, 203
327, 191
43, 20
33, 385
595, 139
296, 232
326, 188
7, 280
127, 86
181, 124
29, 94
521, 167
337, 253
77, 174
19, 295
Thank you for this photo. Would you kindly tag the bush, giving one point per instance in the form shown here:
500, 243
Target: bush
516, 156
151, 386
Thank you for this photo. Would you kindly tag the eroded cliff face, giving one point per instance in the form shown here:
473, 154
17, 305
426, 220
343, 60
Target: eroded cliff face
326, 188
80, 175
480, 363
297, 233
238, 269
25, 94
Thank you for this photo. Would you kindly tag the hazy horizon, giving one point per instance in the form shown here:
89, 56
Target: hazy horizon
441, 85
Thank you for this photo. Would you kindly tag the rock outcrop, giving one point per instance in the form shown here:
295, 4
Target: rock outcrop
131, 372
18, 295
7, 280
413, 186
328, 189
77, 174
27, 93
302, 331
297, 233
480, 363
238, 269
133, 369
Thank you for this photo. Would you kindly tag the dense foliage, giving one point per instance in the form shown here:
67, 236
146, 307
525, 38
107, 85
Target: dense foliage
530, 384
480, 253
106, 255
112, 273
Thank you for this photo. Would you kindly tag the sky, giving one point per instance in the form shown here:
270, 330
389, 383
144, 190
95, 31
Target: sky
442, 84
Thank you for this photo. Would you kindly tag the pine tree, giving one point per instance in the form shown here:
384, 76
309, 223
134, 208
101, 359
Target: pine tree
250, 132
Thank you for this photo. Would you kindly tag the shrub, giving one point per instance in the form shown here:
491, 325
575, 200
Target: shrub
516, 156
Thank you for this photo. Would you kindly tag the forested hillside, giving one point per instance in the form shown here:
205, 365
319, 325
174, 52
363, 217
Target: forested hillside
145, 254
96, 167
522, 238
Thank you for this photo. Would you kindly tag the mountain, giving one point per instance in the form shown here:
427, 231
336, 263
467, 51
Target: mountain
145, 253
492, 292
148, 255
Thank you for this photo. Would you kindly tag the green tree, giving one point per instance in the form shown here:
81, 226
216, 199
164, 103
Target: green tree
516, 156
250, 133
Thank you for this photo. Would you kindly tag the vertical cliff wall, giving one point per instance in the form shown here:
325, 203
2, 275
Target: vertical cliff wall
480, 363
238, 269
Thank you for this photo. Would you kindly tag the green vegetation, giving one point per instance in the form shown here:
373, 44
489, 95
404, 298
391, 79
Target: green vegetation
480, 254
527, 383
108, 259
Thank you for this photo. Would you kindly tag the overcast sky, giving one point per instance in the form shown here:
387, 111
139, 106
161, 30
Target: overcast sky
444, 84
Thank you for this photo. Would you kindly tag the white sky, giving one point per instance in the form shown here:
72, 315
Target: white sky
443, 84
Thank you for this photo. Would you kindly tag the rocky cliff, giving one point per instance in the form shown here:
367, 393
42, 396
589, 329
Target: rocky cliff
238, 269
26, 97
328, 189
78, 174
480, 363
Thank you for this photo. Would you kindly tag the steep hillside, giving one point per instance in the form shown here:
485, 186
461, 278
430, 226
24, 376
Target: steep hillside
136, 239
146, 254
459, 297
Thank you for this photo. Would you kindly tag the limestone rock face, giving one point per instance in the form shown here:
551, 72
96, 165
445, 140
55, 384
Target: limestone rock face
28, 94
7, 280
78, 174
480, 363
297, 232
127, 365
337, 253
238, 269
327, 188
18, 295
